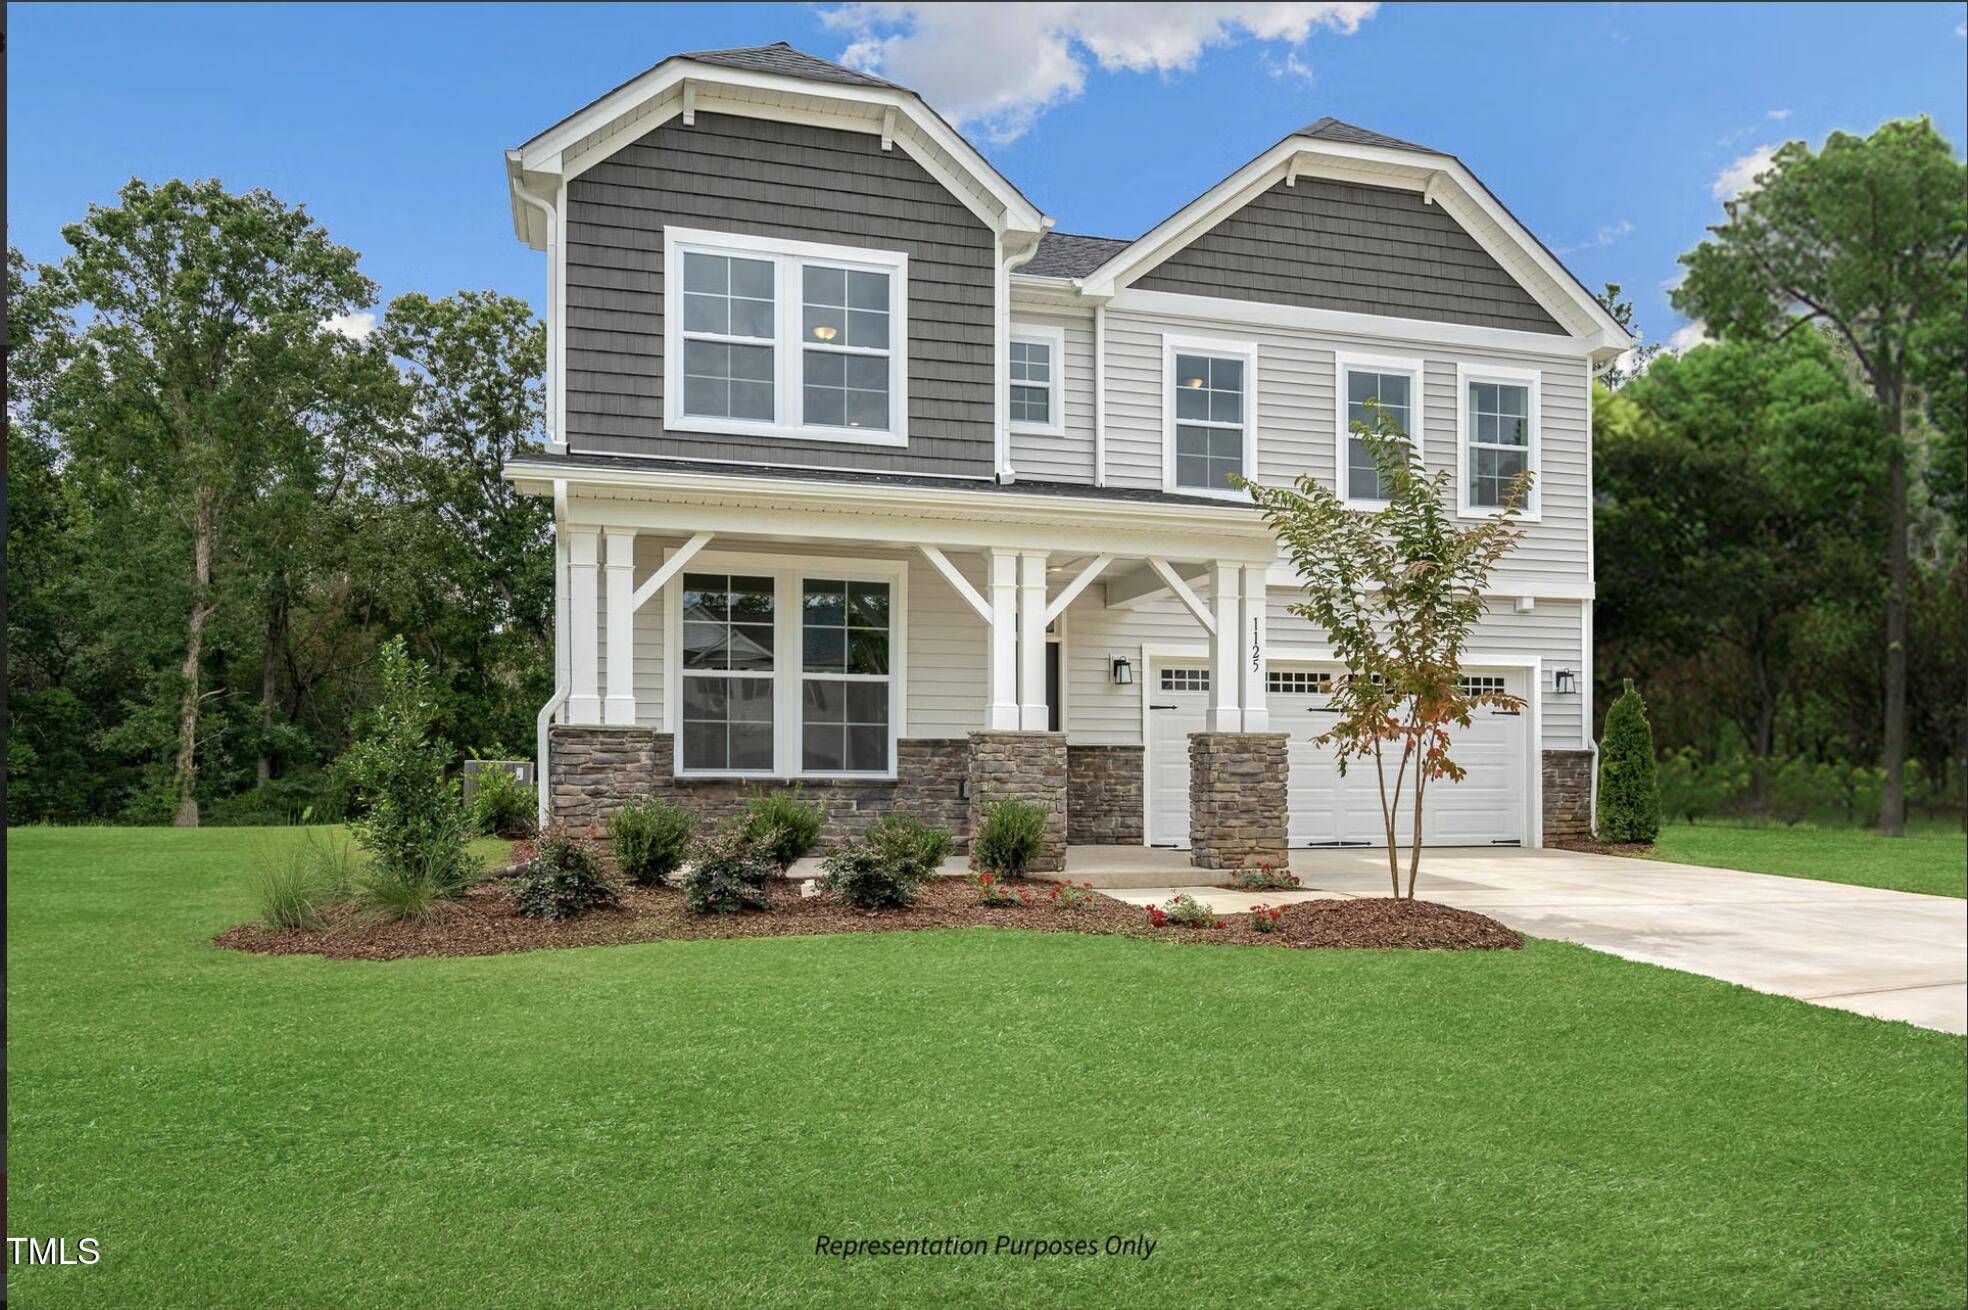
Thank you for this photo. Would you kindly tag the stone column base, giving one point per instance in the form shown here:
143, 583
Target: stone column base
1103, 806
1567, 796
1026, 766
592, 771
1237, 799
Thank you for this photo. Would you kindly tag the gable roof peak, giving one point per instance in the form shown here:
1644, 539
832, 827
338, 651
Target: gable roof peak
1332, 129
782, 58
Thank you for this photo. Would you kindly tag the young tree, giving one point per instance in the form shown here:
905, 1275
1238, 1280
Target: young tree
204, 348
1629, 784
1635, 361
1396, 591
1870, 236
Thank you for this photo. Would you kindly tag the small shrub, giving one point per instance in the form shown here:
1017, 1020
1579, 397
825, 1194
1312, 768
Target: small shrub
727, 873
650, 839
1264, 918
1012, 836
1072, 895
784, 827
414, 826
502, 805
563, 880
1629, 790
1184, 911
888, 866
1264, 878
303, 878
994, 891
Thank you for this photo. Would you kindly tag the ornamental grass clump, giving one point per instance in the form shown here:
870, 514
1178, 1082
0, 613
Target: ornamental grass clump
784, 827
300, 880
728, 872
564, 880
1011, 837
649, 839
1183, 911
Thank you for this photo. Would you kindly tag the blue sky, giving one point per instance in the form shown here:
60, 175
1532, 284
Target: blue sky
1604, 127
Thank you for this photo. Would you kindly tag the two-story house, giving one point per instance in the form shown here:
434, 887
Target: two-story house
865, 477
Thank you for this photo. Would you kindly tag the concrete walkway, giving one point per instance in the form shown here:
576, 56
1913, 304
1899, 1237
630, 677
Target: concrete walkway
1893, 955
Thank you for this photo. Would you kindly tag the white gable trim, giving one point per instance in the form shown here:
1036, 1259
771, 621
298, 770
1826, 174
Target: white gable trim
1442, 179
898, 117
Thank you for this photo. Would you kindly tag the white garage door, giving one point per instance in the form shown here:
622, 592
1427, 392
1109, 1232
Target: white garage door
1487, 808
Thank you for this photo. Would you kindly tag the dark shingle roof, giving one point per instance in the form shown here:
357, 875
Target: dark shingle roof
1066, 254
1331, 129
782, 59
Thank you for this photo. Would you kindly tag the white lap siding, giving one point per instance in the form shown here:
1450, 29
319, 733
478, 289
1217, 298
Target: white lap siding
1067, 457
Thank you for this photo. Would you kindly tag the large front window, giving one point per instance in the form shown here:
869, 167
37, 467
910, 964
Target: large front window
1498, 422
1209, 420
728, 640
781, 672
784, 338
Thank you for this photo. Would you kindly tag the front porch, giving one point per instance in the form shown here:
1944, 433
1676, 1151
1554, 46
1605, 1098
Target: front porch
912, 649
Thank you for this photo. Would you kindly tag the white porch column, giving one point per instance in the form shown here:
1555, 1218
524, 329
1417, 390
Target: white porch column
584, 699
1226, 650
1032, 716
1255, 656
1002, 715
620, 707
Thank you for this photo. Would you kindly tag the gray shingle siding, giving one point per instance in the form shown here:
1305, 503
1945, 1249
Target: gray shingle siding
1338, 245
773, 179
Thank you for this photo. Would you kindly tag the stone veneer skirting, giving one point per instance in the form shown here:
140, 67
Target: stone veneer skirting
594, 771
1103, 795
1567, 796
1026, 766
1238, 798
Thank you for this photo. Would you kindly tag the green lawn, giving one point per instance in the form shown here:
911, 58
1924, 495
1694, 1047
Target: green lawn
1931, 858
675, 1123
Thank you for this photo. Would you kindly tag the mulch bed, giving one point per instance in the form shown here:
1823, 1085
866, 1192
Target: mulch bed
1590, 847
482, 923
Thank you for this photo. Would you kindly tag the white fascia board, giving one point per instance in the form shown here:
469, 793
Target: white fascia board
956, 516
543, 152
1442, 177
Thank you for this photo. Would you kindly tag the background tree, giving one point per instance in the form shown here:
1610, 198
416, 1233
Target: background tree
1396, 591
1632, 364
1867, 236
203, 352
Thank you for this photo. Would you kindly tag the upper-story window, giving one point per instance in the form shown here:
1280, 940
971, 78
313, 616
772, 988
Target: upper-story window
1395, 385
784, 338
1499, 436
1036, 363
1210, 416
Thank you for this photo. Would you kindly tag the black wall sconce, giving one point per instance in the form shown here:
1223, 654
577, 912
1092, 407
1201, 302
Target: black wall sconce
1564, 682
1123, 671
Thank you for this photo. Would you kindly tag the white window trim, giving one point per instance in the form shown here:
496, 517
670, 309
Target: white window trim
1517, 377
787, 256
1054, 340
788, 673
1345, 361
1222, 348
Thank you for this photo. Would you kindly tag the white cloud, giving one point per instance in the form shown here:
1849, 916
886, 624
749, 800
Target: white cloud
1776, 115
1290, 66
1605, 236
1961, 29
998, 66
356, 327
1688, 336
1740, 175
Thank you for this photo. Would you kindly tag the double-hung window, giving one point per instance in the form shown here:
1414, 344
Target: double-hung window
1499, 437
1035, 366
1210, 414
784, 338
785, 668
1394, 385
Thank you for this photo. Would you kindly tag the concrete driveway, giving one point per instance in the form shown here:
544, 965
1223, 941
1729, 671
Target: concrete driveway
1893, 955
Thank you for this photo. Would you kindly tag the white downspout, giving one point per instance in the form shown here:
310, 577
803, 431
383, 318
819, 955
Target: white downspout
1001, 384
1100, 398
559, 697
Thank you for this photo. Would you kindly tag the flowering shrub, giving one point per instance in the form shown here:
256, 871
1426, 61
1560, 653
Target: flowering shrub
1264, 878
1184, 911
564, 880
1071, 895
995, 891
1264, 918
727, 872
